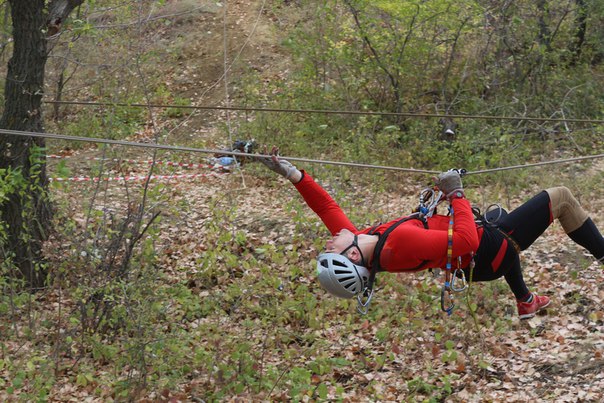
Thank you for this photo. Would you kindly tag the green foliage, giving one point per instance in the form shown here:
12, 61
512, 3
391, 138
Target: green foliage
25, 188
34, 371
427, 57
116, 122
163, 96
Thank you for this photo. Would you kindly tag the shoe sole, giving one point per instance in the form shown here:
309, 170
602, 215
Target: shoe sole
531, 315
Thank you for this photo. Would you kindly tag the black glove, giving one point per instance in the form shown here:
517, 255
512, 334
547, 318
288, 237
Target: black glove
450, 184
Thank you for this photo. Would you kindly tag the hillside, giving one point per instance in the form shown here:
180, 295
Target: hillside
220, 302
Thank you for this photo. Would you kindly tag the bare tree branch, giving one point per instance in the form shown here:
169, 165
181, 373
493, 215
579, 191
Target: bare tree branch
393, 80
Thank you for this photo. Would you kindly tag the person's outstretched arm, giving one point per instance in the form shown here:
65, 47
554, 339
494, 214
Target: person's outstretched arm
314, 195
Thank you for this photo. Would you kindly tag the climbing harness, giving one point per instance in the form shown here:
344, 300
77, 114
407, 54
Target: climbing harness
455, 279
364, 298
447, 303
491, 217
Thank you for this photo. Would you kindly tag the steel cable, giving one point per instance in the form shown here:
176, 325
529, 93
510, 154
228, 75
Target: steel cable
326, 111
316, 161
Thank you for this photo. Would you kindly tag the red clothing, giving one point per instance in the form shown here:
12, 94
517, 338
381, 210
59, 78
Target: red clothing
410, 243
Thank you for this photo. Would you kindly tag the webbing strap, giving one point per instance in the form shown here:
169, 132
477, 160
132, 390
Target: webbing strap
364, 298
446, 296
375, 266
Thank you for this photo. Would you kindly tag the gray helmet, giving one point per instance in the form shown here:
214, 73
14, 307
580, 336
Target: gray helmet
339, 276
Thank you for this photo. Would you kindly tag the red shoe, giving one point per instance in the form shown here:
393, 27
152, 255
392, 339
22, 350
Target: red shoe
527, 310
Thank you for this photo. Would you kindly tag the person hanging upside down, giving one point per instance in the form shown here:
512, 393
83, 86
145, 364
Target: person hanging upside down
411, 244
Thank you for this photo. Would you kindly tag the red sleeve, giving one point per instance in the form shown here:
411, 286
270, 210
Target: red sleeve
465, 235
323, 205
409, 245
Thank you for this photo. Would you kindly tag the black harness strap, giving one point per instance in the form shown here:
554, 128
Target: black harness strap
491, 218
375, 266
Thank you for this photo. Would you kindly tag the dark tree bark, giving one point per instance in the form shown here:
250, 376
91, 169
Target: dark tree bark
581, 29
33, 21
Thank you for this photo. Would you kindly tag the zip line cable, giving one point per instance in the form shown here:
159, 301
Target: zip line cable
201, 150
536, 164
326, 111
314, 161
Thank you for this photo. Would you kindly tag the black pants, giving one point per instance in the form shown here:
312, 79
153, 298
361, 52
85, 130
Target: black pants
497, 254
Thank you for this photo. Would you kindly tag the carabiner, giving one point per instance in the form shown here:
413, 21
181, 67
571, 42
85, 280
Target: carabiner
426, 194
429, 198
499, 215
447, 304
363, 306
462, 278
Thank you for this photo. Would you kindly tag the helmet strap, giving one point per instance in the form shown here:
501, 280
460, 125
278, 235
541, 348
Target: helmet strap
355, 244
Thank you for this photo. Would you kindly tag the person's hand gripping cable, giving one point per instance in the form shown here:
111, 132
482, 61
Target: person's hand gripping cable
281, 166
450, 184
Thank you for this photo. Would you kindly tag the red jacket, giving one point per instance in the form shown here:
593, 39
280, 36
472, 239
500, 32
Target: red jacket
410, 243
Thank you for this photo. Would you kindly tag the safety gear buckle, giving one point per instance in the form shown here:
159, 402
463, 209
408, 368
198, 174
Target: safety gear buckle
461, 278
429, 198
447, 304
363, 300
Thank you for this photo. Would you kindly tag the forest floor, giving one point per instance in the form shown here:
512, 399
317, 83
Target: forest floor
557, 356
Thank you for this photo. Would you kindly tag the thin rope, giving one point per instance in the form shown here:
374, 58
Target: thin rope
537, 164
201, 150
327, 111
314, 161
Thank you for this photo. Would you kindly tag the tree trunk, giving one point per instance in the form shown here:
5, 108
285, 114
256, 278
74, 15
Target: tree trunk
22, 111
26, 214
